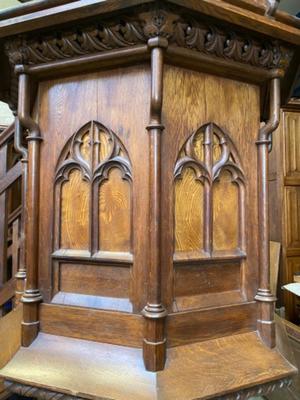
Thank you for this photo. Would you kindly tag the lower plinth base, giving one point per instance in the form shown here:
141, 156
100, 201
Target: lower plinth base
232, 367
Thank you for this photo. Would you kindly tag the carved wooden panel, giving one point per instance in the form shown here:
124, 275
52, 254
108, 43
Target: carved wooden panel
233, 108
292, 216
92, 219
93, 194
210, 194
117, 98
292, 144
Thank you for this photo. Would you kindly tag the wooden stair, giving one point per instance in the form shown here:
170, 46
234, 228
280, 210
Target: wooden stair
10, 341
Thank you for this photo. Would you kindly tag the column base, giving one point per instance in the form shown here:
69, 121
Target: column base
154, 344
30, 323
265, 321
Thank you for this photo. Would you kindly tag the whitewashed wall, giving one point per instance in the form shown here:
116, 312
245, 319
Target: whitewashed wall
6, 116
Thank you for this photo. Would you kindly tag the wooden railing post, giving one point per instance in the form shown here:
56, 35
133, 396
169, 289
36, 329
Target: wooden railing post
266, 324
21, 273
32, 295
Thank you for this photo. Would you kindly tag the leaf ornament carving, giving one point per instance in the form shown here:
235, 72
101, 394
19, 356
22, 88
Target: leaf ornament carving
210, 39
181, 31
65, 45
93, 150
208, 152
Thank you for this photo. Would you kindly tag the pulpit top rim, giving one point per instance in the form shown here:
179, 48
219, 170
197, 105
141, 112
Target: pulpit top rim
35, 16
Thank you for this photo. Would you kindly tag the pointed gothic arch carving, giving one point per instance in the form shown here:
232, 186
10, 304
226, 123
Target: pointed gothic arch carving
209, 166
91, 158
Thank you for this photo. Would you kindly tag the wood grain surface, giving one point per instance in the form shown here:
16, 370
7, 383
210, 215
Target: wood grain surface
115, 213
207, 370
225, 213
234, 107
103, 97
75, 213
101, 326
284, 186
10, 343
188, 213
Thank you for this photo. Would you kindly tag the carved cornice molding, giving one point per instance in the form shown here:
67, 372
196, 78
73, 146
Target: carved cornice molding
128, 31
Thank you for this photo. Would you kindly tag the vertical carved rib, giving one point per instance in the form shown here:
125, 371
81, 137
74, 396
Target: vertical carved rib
32, 295
266, 324
94, 232
154, 347
208, 161
242, 222
21, 273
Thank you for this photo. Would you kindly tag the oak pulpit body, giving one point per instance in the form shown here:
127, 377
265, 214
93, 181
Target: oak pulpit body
147, 202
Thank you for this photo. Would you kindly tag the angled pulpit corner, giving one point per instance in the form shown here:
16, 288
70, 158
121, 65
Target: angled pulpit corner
144, 129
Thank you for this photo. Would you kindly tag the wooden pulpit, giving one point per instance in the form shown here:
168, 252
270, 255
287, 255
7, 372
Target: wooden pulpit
144, 128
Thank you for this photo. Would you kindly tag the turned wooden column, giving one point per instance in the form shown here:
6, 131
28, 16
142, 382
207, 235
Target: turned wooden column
20, 149
32, 296
266, 324
154, 345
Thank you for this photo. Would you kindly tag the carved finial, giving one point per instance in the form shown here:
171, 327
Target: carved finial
158, 23
283, 56
17, 53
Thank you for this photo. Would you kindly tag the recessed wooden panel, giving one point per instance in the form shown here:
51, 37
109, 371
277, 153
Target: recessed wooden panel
292, 195
75, 197
292, 144
190, 326
98, 325
188, 212
110, 281
225, 213
207, 278
91, 301
115, 213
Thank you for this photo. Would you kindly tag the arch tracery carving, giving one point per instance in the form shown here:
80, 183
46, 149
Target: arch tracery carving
95, 151
211, 154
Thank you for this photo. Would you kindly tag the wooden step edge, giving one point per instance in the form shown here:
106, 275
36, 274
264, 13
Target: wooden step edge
205, 370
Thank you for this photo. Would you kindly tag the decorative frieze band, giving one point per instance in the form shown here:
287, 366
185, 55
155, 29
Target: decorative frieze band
44, 394
192, 34
36, 392
261, 390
